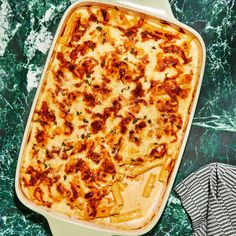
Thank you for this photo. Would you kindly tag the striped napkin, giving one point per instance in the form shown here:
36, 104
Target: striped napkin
209, 197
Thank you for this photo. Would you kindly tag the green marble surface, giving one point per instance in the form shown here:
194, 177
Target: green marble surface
26, 32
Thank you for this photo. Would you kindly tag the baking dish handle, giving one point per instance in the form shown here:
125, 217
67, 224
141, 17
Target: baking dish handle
62, 228
160, 8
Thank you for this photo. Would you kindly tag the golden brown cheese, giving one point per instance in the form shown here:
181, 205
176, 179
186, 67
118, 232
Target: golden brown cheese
114, 106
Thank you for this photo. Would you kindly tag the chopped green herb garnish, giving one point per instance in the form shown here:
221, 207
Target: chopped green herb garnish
45, 166
113, 131
145, 117
64, 177
99, 28
85, 121
126, 59
78, 113
124, 89
103, 41
88, 82
89, 135
132, 50
135, 121
63, 143
55, 122
153, 47
82, 136
149, 121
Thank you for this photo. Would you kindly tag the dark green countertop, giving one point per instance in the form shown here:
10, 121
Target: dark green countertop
26, 32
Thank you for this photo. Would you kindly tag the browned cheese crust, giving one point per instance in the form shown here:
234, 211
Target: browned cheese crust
113, 107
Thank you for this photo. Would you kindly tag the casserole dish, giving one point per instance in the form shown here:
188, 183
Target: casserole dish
26, 175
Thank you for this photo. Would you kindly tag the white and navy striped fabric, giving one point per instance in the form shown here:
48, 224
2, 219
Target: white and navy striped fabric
209, 197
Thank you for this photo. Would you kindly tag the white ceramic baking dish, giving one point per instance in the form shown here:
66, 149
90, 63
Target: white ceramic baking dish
61, 226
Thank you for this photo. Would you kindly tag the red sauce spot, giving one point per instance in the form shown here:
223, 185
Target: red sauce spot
82, 49
78, 31
68, 128
158, 151
93, 18
75, 193
90, 99
72, 96
140, 160
124, 122
38, 194
138, 91
61, 58
50, 153
40, 136
105, 15
45, 114
140, 125
75, 166
88, 66
132, 31
176, 50
173, 89
116, 106
61, 189
164, 22
97, 126
59, 76
108, 167
146, 35
168, 106
88, 195
181, 30
36, 176
88, 176
102, 89
94, 156
168, 61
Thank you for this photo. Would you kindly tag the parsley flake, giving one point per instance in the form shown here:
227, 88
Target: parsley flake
88, 82
99, 28
85, 121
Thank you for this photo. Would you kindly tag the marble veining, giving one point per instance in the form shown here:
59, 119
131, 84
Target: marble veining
26, 32
6, 16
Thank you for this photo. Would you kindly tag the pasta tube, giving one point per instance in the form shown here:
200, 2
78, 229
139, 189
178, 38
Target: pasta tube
142, 169
117, 194
131, 215
149, 185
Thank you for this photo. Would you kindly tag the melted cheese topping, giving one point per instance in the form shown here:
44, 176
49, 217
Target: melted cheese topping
115, 100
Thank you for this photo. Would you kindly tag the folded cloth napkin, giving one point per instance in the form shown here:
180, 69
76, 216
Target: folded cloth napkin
209, 197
